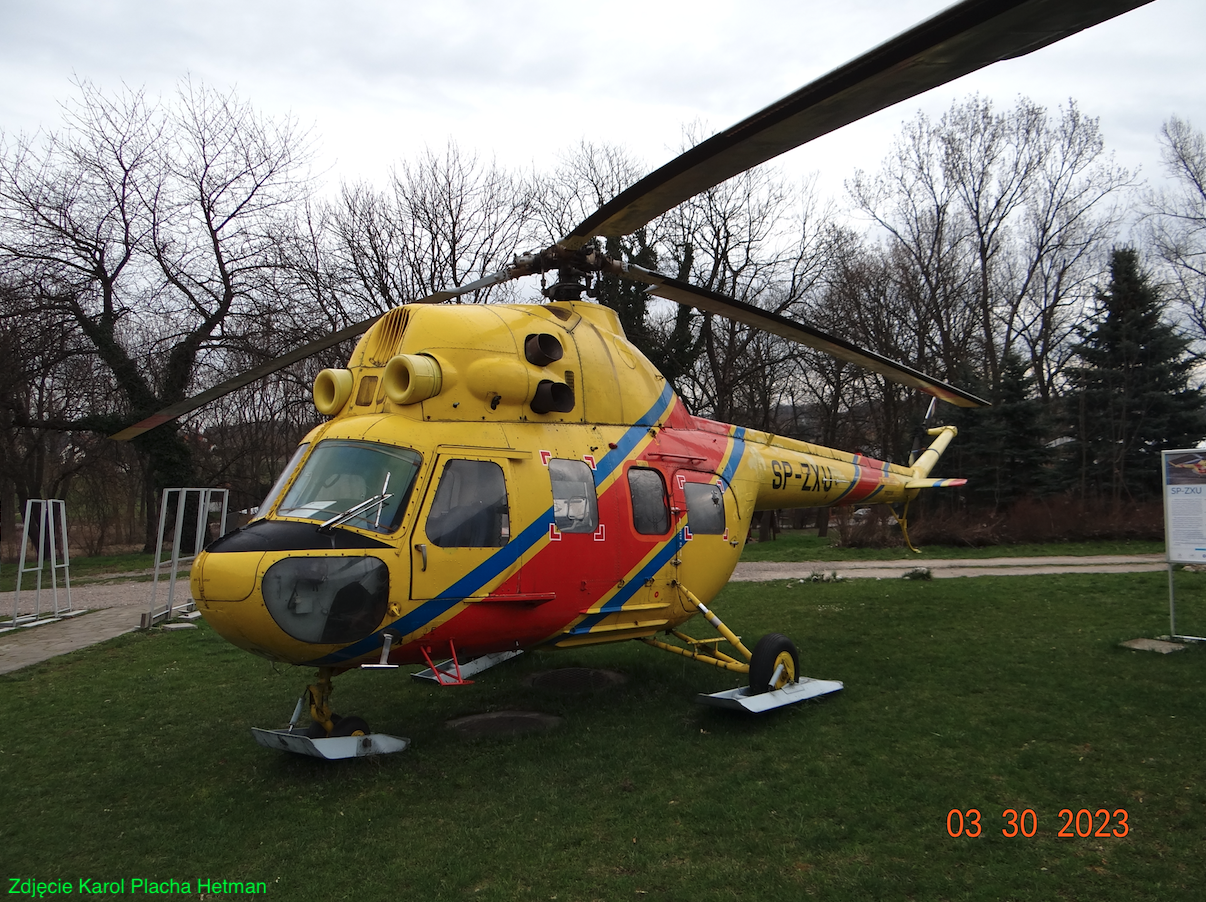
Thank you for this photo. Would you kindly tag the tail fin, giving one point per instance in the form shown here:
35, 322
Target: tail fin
922, 466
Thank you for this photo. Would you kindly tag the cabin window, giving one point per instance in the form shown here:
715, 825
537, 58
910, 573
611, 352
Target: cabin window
575, 504
470, 506
650, 506
705, 508
340, 474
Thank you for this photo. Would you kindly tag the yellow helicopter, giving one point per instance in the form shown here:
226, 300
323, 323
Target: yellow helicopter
495, 478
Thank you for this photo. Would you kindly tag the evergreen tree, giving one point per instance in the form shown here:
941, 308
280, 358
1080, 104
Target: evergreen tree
1131, 399
1002, 449
672, 348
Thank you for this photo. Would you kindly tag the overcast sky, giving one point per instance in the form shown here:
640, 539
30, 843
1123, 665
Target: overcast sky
378, 81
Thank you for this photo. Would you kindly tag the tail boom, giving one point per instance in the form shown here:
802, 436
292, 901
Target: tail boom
801, 474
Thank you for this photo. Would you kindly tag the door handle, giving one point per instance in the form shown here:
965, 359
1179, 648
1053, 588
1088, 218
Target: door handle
422, 549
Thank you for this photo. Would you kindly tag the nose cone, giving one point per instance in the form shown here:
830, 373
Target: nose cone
328, 599
225, 588
291, 606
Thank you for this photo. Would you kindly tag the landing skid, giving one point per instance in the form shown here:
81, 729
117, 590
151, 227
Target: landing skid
742, 700
333, 748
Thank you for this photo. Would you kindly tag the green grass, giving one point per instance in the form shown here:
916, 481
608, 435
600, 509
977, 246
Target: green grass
133, 758
806, 546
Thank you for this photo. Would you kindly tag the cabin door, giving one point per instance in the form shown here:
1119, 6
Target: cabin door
460, 537
710, 541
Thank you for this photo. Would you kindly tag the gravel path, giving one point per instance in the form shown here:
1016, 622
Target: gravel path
942, 569
121, 592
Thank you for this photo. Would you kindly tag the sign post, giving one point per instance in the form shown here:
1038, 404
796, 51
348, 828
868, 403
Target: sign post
1184, 477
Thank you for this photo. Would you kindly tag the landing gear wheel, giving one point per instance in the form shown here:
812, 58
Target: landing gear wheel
317, 731
772, 651
350, 726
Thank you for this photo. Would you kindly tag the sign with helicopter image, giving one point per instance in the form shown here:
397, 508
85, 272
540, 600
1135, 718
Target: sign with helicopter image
1184, 475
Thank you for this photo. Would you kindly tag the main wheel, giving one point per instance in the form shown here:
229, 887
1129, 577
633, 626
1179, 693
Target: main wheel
351, 726
772, 650
357, 727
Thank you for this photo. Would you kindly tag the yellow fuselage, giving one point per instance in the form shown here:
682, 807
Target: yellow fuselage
530, 478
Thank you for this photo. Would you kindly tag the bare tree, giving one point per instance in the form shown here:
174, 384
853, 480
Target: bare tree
443, 221
766, 242
1002, 219
1178, 226
151, 229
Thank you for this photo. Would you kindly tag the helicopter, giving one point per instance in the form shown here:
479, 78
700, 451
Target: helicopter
503, 477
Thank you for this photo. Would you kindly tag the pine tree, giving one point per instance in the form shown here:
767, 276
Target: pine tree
1002, 449
671, 349
1132, 397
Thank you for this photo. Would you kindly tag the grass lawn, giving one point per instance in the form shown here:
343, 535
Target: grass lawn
133, 759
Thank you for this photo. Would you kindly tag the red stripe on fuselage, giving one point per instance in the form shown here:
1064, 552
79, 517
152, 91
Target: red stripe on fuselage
871, 475
579, 571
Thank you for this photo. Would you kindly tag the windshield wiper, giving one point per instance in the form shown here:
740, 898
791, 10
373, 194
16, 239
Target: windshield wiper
340, 519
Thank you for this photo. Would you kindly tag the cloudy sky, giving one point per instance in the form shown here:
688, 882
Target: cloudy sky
378, 81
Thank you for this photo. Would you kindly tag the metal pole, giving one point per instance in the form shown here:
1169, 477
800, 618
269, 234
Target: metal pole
1172, 604
66, 553
180, 506
41, 558
158, 556
48, 514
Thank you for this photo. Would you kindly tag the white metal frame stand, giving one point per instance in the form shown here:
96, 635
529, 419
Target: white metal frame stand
205, 501
52, 531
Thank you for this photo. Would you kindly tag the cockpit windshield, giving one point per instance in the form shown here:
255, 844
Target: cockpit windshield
360, 484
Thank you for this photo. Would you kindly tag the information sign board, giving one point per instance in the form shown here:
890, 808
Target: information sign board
1185, 505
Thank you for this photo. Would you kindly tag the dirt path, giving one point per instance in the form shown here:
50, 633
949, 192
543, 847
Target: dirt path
943, 569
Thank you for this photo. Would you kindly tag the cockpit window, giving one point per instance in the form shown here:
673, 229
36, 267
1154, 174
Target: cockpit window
341, 475
279, 486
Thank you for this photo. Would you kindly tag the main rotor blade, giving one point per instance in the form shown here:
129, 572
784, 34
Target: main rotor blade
188, 405
224, 388
730, 308
966, 37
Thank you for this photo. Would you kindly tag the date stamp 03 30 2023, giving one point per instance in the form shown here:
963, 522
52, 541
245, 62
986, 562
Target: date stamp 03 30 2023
1083, 823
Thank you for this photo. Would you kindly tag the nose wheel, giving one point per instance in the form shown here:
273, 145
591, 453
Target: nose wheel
324, 722
329, 735
341, 726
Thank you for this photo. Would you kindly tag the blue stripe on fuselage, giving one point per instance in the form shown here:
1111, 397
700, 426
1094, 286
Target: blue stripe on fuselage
515, 549
635, 582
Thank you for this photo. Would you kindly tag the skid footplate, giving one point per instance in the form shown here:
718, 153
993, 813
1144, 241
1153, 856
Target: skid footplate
332, 748
741, 699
